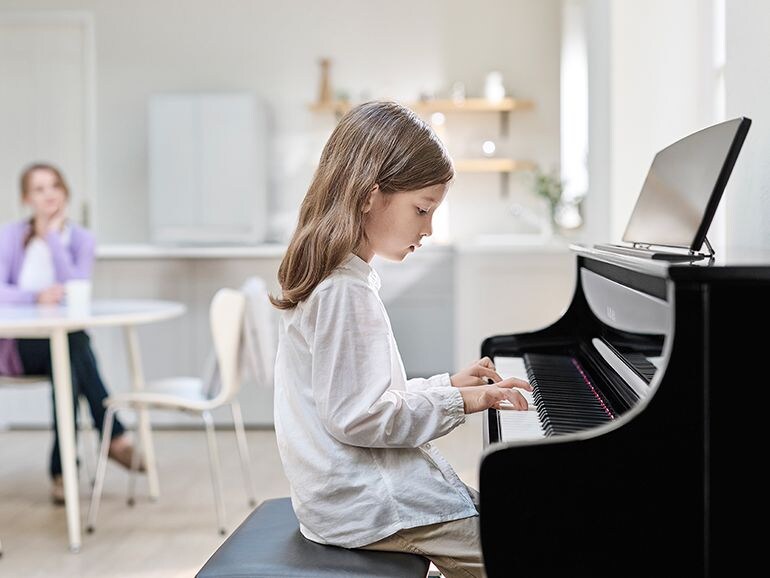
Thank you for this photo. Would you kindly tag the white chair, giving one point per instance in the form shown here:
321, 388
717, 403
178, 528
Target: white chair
26, 382
193, 395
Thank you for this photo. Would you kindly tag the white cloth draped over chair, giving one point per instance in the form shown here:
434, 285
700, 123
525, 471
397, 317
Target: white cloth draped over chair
257, 351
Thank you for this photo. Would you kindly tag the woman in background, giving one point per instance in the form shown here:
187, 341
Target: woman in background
38, 256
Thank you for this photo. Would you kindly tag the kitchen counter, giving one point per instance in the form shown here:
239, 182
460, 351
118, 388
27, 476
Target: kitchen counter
140, 251
488, 244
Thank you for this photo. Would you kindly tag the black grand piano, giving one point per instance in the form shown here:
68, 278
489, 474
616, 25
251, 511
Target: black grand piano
638, 456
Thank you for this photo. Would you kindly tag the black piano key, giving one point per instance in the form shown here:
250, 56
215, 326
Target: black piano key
564, 394
568, 409
642, 365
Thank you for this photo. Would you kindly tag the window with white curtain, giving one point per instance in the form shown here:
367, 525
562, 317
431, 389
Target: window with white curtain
574, 110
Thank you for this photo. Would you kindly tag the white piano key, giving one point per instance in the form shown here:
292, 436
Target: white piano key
510, 367
656, 361
520, 425
517, 424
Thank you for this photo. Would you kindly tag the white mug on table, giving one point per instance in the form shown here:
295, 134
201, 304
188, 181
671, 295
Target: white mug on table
78, 296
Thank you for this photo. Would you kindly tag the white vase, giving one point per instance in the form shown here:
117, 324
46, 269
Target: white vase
494, 91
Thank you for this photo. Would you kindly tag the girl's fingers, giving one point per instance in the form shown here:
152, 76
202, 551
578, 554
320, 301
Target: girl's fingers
486, 362
487, 374
514, 382
517, 400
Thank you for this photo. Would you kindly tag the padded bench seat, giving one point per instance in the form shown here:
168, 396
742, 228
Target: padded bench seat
268, 544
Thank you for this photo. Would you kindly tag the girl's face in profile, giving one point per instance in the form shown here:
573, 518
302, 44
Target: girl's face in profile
395, 223
45, 193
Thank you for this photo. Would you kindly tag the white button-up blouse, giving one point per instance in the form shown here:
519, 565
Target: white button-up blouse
352, 430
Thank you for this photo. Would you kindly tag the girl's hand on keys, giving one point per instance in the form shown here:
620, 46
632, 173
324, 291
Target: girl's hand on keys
482, 372
495, 395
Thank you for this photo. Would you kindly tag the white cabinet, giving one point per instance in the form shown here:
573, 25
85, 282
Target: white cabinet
207, 168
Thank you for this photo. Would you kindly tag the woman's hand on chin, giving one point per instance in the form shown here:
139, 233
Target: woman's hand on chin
56, 222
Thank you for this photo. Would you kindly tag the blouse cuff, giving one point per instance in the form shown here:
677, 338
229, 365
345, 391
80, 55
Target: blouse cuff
440, 380
455, 406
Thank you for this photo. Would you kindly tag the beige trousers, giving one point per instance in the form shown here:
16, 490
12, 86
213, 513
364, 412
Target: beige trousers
453, 547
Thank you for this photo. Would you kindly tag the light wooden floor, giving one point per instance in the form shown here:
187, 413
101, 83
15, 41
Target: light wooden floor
171, 538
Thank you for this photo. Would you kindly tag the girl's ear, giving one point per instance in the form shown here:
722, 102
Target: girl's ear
370, 199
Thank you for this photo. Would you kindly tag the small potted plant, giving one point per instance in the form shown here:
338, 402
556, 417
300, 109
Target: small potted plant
563, 213
549, 187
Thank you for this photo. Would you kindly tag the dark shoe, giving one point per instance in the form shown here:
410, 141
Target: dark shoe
57, 490
123, 453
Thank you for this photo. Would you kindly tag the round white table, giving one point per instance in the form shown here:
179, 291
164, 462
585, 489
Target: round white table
55, 323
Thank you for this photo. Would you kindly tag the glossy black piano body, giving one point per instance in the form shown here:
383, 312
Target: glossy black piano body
662, 490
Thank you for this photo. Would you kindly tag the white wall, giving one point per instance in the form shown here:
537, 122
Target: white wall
396, 49
658, 61
748, 94
596, 206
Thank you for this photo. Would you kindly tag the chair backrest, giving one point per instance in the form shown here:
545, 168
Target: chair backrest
226, 319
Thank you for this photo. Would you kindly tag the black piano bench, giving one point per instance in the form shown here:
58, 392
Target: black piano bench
268, 544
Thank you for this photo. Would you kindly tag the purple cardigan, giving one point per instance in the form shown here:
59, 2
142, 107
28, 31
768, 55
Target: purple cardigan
69, 262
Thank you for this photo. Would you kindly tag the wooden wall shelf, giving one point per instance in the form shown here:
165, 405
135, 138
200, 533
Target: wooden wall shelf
502, 166
492, 165
470, 105
438, 105
339, 107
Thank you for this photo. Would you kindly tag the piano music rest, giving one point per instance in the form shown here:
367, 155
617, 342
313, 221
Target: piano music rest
269, 544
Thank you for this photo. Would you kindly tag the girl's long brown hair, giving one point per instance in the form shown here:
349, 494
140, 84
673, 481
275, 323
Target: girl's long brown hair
24, 179
375, 143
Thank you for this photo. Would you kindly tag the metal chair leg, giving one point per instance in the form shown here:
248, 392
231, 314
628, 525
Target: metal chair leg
101, 468
131, 499
215, 476
88, 448
243, 450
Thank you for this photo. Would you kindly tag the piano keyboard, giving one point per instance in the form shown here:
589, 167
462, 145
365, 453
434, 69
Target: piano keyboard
563, 397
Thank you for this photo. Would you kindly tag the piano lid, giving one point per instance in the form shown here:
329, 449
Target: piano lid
734, 263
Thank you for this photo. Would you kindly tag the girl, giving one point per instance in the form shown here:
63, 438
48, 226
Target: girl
353, 432
37, 256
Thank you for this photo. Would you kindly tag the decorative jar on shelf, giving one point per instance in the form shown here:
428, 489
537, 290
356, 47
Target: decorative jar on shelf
494, 91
